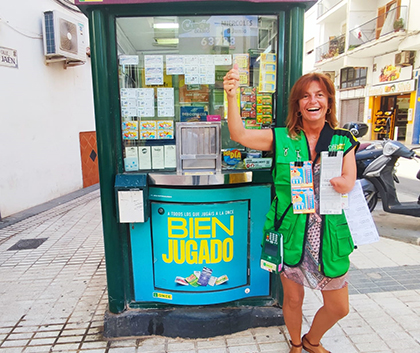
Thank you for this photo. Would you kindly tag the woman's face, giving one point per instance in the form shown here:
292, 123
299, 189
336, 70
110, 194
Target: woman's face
314, 104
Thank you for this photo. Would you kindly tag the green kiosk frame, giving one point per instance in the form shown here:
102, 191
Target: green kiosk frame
182, 230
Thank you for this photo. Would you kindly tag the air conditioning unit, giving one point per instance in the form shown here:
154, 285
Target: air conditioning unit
65, 37
405, 58
331, 75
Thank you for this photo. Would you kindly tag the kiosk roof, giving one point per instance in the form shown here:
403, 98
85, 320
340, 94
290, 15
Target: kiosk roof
112, 2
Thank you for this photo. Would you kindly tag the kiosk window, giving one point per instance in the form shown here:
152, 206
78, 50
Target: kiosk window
171, 70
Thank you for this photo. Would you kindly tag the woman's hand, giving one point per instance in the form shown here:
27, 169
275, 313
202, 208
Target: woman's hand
345, 183
255, 139
231, 82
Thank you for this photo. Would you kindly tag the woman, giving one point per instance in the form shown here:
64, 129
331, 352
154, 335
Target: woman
316, 248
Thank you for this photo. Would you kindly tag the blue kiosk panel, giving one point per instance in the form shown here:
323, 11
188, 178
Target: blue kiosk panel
191, 232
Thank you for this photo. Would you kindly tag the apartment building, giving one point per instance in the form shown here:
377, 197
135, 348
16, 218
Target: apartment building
370, 49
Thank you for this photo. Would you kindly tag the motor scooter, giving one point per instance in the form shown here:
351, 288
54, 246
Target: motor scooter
379, 180
358, 129
367, 151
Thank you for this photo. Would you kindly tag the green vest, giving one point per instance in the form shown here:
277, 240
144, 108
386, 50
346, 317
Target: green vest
336, 241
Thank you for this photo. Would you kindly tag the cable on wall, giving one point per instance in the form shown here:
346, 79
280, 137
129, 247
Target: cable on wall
37, 36
69, 5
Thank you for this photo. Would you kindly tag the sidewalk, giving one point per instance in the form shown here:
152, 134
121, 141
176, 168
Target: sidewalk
53, 294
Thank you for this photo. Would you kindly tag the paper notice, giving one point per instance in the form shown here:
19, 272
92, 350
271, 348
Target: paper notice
330, 200
360, 221
131, 206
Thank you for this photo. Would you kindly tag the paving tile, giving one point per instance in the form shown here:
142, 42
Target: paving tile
237, 341
123, 343
212, 350
184, 345
65, 347
211, 343
94, 345
367, 347
273, 346
42, 341
10, 350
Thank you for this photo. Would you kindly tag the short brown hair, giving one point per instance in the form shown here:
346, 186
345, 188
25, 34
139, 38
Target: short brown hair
293, 121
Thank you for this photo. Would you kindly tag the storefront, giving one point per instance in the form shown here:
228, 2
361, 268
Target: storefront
183, 206
392, 100
392, 111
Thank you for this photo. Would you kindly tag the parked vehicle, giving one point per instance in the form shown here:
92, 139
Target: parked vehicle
358, 129
379, 179
366, 154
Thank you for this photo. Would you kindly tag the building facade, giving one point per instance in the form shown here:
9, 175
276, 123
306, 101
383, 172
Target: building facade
46, 105
370, 49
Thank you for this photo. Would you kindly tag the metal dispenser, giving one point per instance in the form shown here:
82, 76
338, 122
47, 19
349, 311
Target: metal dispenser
198, 147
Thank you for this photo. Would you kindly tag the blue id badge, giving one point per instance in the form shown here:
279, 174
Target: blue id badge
302, 188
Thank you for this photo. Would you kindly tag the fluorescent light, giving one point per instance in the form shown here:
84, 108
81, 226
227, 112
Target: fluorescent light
167, 41
166, 25
267, 50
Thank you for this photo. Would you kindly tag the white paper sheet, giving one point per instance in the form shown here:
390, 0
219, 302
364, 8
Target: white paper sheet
359, 218
145, 157
330, 200
131, 206
158, 158
170, 156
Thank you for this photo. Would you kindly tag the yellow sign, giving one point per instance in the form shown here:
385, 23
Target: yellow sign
192, 251
162, 295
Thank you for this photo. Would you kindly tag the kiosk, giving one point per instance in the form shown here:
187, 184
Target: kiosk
183, 206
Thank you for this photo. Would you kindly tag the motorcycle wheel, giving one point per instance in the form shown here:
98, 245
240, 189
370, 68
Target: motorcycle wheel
371, 199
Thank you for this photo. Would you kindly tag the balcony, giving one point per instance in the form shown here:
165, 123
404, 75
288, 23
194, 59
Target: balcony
392, 21
334, 47
326, 5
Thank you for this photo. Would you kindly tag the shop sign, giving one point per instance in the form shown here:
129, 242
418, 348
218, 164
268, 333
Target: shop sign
218, 26
387, 71
8, 57
392, 88
200, 247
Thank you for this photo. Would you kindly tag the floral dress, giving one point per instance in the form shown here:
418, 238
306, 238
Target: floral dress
308, 273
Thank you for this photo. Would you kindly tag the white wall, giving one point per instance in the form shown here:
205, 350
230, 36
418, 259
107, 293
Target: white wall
310, 32
413, 14
361, 11
43, 109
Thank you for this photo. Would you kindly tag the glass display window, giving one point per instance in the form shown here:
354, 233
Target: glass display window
171, 70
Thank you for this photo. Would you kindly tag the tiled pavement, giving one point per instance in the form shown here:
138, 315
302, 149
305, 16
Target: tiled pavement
53, 297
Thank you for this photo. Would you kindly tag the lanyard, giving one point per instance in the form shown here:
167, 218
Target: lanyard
278, 222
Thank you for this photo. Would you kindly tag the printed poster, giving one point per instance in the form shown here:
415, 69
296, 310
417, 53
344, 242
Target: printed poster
264, 108
268, 73
139, 102
153, 69
165, 97
130, 130
243, 66
198, 249
248, 102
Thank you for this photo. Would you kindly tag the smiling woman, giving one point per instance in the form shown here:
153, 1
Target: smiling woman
323, 98
311, 129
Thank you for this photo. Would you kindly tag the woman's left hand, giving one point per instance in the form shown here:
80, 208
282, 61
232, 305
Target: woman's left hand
345, 183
